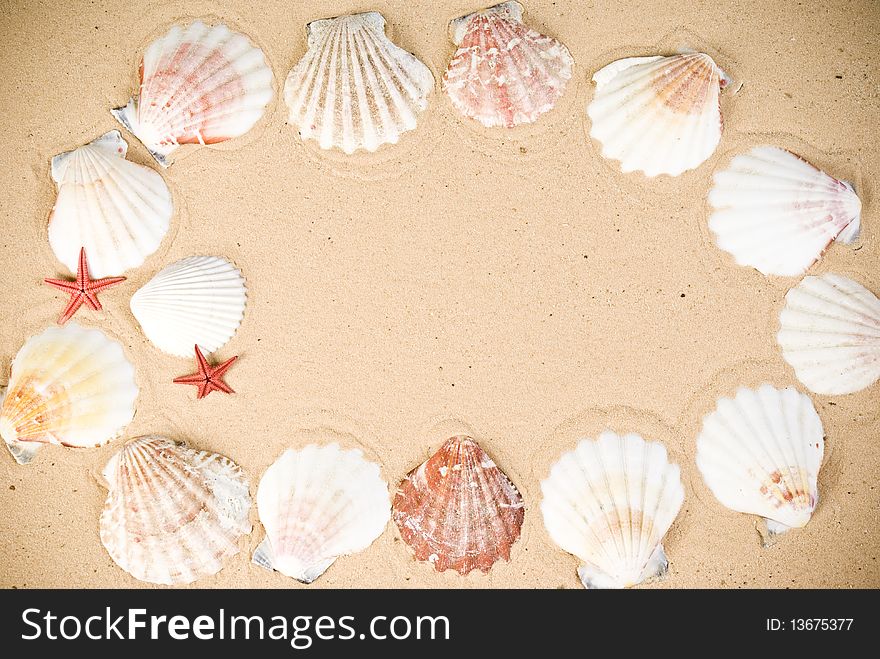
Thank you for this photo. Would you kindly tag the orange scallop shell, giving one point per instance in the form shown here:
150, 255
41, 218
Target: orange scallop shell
458, 510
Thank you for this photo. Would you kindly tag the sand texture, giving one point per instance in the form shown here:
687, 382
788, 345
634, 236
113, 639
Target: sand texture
511, 284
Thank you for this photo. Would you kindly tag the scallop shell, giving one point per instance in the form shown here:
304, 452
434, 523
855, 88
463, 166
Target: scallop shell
354, 89
173, 514
658, 115
317, 504
199, 300
760, 453
610, 502
69, 386
830, 334
198, 85
458, 510
504, 73
118, 210
777, 213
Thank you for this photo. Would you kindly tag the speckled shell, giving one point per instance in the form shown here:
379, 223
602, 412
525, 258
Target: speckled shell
760, 453
70, 386
775, 212
658, 115
458, 510
117, 210
504, 73
173, 514
198, 85
198, 300
829, 332
354, 89
319, 503
610, 502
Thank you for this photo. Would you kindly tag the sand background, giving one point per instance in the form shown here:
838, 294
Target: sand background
514, 284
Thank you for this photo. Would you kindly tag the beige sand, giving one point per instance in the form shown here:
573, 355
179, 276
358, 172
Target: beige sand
515, 282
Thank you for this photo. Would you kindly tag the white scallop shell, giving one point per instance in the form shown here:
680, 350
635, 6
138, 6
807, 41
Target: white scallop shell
198, 300
829, 332
173, 514
118, 210
760, 453
355, 89
316, 504
777, 213
198, 85
610, 502
504, 73
69, 386
658, 115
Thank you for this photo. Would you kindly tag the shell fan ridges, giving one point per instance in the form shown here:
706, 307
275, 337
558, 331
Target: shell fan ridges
173, 514
658, 115
503, 72
355, 89
117, 210
774, 211
458, 510
316, 504
610, 502
69, 386
199, 84
760, 453
198, 300
829, 333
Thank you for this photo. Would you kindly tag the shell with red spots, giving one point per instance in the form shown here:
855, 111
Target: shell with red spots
504, 73
458, 510
760, 453
173, 514
658, 115
198, 85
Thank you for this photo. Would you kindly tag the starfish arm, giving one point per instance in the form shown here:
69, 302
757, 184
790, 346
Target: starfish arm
71, 308
220, 369
220, 385
82, 270
204, 389
98, 285
204, 368
195, 378
91, 299
62, 285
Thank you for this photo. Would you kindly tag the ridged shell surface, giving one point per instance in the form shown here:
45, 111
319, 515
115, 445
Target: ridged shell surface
199, 84
504, 73
829, 332
775, 212
458, 510
760, 453
354, 88
658, 115
69, 386
198, 300
319, 503
117, 210
173, 514
609, 502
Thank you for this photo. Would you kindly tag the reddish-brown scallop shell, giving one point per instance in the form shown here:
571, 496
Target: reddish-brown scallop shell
458, 510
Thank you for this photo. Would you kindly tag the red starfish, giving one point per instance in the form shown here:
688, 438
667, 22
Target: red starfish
84, 290
209, 378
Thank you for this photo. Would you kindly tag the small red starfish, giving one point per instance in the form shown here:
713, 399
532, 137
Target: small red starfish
84, 290
209, 378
